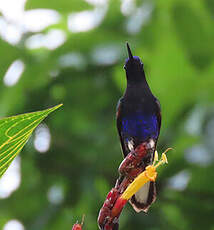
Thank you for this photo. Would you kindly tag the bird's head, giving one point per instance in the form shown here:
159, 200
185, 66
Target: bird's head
134, 67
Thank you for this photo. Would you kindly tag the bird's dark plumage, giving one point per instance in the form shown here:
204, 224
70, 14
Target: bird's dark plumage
138, 121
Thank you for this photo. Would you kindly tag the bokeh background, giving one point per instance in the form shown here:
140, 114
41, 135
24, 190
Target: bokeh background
73, 52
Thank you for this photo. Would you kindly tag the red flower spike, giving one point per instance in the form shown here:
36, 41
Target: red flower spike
78, 226
105, 211
133, 159
120, 203
132, 178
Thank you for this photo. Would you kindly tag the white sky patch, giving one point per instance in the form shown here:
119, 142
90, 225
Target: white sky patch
16, 21
73, 59
39, 19
86, 20
42, 138
199, 155
10, 27
55, 194
13, 225
106, 54
12, 9
54, 73
127, 7
139, 18
179, 181
14, 73
195, 120
53, 39
10, 181
9, 32
209, 134
97, 2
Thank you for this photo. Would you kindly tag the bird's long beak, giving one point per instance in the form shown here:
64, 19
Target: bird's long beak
129, 51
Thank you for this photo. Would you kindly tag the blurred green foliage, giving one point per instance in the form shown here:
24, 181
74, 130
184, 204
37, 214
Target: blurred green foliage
174, 38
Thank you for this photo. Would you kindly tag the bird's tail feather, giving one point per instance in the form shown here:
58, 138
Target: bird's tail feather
143, 199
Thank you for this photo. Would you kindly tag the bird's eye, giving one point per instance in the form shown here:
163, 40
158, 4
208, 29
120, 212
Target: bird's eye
124, 67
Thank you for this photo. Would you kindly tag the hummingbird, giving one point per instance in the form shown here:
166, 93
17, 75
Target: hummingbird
138, 121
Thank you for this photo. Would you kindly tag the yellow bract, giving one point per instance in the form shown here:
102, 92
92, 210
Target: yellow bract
147, 175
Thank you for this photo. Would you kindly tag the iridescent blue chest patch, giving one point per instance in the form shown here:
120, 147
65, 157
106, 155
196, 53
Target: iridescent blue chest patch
140, 126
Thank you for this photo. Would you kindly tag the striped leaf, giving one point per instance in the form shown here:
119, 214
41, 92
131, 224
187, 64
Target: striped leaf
15, 132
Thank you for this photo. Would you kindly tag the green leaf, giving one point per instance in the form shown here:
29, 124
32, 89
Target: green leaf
15, 132
11, 54
62, 6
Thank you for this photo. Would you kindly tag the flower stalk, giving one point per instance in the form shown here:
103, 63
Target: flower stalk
149, 174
